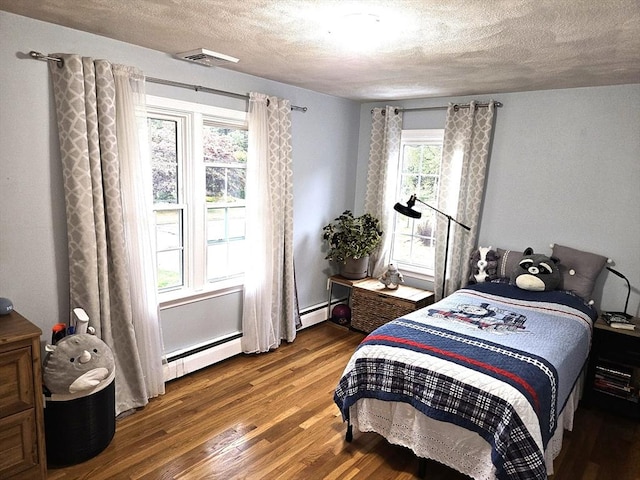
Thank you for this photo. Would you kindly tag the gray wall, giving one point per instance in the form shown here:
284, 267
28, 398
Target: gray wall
33, 264
565, 168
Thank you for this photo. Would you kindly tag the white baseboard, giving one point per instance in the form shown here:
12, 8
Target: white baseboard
190, 363
318, 314
185, 365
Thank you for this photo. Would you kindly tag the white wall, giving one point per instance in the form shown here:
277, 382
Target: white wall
564, 168
33, 252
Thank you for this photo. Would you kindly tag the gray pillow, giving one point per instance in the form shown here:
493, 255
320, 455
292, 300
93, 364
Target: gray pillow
578, 270
507, 262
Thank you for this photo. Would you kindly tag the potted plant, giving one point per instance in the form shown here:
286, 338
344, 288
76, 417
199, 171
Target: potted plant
351, 240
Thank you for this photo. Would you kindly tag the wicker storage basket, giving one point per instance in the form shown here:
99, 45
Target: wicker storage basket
373, 305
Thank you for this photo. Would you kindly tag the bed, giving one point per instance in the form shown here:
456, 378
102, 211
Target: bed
484, 381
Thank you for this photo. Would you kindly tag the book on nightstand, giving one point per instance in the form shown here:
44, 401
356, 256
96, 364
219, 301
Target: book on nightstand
615, 320
615, 379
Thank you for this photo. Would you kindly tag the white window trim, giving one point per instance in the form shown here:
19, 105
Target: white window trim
196, 287
435, 135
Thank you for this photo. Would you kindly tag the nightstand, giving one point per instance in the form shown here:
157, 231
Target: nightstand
347, 283
375, 305
614, 369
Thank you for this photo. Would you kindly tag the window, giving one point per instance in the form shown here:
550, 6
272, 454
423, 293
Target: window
199, 159
413, 240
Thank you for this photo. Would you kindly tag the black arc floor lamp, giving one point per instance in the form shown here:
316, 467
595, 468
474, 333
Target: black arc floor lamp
410, 212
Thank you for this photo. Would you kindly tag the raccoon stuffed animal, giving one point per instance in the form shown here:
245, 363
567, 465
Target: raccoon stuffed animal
536, 272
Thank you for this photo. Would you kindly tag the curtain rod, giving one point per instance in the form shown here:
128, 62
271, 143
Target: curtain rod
440, 107
197, 88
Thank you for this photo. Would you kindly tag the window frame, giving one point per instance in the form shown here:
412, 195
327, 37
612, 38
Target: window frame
429, 136
182, 151
193, 168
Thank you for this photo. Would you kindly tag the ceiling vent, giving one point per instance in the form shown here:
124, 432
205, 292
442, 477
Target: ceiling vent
206, 57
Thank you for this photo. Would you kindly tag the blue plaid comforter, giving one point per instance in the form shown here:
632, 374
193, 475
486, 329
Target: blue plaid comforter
531, 345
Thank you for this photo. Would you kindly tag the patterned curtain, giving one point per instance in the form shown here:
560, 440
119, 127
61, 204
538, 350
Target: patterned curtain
93, 128
386, 130
270, 310
465, 154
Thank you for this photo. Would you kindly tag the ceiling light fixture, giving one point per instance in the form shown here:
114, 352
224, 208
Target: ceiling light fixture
361, 22
357, 30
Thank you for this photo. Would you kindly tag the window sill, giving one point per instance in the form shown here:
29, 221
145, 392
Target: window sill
413, 271
180, 297
418, 275
418, 279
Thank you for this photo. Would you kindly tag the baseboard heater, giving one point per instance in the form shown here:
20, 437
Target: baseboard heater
201, 348
183, 362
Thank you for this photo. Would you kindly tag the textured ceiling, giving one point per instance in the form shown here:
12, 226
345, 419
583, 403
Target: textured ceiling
423, 48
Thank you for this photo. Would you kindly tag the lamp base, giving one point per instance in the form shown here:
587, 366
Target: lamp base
612, 315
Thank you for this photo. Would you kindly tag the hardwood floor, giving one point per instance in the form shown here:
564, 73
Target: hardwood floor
272, 416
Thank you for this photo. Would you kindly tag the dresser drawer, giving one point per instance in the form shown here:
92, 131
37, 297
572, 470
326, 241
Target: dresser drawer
18, 443
16, 389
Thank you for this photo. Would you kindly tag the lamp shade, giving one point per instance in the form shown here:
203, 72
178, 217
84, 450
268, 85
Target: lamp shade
408, 208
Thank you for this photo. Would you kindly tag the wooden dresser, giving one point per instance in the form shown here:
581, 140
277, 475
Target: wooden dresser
22, 444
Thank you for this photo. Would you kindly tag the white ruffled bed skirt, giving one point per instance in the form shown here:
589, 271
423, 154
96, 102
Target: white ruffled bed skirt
447, 443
